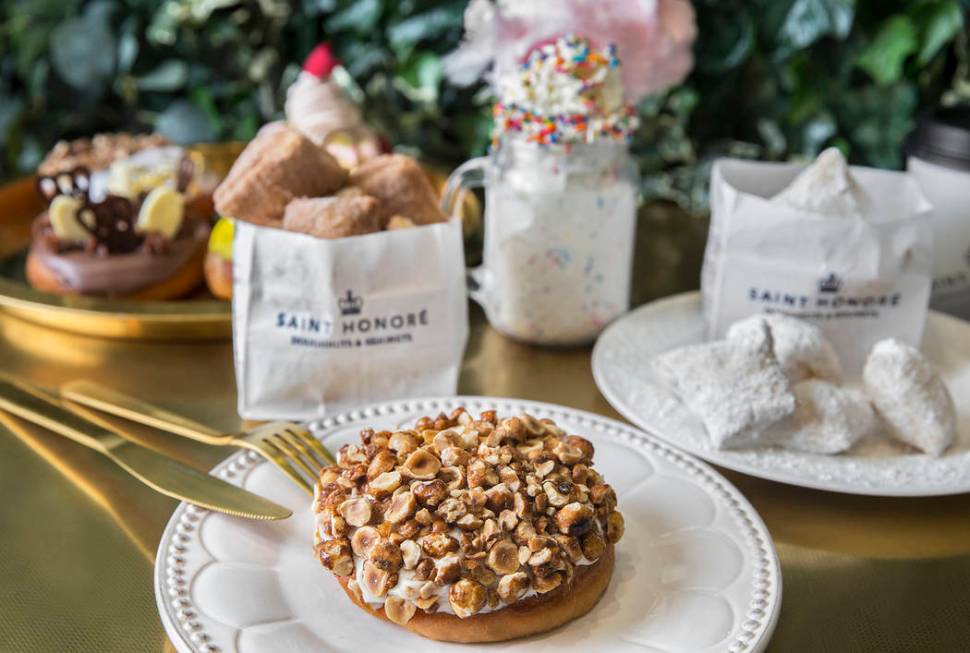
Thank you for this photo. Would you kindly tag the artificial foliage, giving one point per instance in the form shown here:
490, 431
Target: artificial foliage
773, 79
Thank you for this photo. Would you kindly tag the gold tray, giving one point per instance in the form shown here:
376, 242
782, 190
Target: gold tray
201, 317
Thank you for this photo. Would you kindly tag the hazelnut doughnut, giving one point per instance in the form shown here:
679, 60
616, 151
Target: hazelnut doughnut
468, 529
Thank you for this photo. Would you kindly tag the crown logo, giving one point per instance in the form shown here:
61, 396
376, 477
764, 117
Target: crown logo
350, 305
830, 284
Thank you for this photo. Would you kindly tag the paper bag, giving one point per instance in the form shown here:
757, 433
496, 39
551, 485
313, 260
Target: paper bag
860, 279
322, 326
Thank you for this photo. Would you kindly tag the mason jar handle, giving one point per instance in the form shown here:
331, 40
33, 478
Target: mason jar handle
471, 174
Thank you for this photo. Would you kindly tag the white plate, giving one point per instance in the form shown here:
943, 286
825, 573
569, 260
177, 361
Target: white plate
878, 467
695, 571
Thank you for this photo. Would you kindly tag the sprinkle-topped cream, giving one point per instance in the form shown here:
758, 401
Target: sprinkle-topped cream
565, 92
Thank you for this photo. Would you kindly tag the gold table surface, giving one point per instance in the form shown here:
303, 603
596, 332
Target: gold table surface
78, 536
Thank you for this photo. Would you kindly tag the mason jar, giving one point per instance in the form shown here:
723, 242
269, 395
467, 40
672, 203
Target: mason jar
560, 224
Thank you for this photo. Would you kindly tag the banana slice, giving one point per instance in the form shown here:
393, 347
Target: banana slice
63, 213
161, 212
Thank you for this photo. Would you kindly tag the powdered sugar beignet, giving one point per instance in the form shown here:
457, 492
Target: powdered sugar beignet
736, 387
828, 419
800, 347
910, 397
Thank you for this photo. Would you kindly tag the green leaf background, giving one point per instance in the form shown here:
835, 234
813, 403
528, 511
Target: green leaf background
774, 79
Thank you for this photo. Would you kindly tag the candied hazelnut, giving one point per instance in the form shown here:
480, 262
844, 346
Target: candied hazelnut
584, 445
451, 510
521, 505
384, 484
454, 456
543, 584
447, 570
602, 494
409, 529
445, 439
383, 461
469, 522
437, 545
410, 554
524, 554
423, 517
364, 538
503, 557
452, 477
559, 493
579, 473
355, 473
614, 527
336, 556
498, 498
402, 443
574, 519
376, 581
507, 520
512, 586
428, 590
402, 507
490, 530
497, 437
509, 478
532, 426
424, 570
399, 610
593, 545
356, 511
541, 557
429, 605
568, 454
515, 427
430, 493
338, 525
524, 532
385, 555
544, 468
422, 465
570, 546
475, 473
466, 597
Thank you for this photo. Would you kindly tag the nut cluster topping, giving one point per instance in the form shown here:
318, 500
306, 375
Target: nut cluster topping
474, 512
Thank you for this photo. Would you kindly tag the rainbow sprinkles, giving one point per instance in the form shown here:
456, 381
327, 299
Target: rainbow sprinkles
565, 92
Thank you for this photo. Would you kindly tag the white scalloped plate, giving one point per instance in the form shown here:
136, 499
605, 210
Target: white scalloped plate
696, 570
877, 467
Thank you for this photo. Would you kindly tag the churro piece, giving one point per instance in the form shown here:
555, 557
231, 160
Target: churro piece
333, 217
278, 166
401, 186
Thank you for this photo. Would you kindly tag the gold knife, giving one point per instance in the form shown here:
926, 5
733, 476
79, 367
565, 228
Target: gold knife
159, 472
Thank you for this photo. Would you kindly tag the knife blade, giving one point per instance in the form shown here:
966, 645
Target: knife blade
155, 470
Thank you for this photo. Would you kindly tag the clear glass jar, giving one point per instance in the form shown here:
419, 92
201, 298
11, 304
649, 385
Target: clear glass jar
560, 223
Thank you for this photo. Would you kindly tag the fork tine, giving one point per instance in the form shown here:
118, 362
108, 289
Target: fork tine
301, 442
293, 454
315, 445
273, 453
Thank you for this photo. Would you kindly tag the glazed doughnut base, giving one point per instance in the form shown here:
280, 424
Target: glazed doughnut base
185, 279
536, 614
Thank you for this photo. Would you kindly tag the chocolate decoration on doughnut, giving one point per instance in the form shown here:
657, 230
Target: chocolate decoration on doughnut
110, 222
184, 174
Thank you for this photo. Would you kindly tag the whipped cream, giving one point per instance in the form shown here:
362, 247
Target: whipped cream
565, 92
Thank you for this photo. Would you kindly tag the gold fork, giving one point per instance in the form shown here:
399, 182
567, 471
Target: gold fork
287, 445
